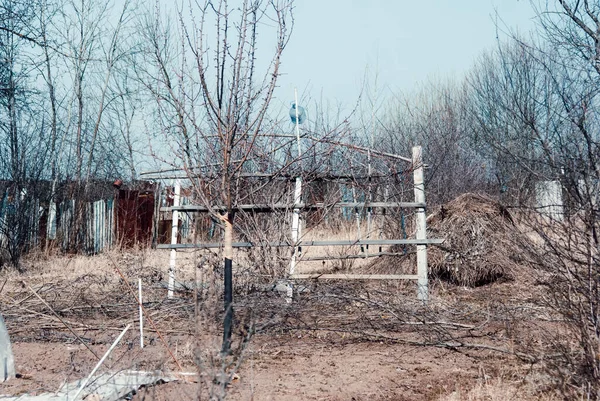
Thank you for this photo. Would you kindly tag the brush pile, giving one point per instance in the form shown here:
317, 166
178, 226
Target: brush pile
481, 244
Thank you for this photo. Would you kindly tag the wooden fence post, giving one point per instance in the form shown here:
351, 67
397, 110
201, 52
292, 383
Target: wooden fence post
296, 225
295, 235
421, 227
174, 231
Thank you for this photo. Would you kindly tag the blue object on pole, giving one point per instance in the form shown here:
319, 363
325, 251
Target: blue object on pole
301, 114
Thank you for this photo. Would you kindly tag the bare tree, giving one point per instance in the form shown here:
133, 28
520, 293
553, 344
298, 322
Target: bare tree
437, 117
213, 90
534, 105
509, 107
23, 144
573, 28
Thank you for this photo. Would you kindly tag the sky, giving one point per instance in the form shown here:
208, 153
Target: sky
336, 44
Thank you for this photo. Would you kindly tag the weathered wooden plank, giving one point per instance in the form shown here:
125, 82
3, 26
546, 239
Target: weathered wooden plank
342, 257
428, 241
279, 206
341, 276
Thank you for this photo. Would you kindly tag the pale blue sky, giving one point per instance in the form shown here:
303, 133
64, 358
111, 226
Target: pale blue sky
405, 42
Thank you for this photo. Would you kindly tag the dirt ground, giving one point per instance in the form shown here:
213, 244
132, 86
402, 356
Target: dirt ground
330, 351
274, 370
284, 369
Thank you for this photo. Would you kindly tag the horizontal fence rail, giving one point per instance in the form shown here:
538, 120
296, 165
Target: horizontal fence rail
363, 255
428, 241
285, 206
342, 276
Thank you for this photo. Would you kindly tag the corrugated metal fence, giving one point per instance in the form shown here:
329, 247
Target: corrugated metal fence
126, 219
64, 227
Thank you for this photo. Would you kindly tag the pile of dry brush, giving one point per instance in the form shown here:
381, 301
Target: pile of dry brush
482, 243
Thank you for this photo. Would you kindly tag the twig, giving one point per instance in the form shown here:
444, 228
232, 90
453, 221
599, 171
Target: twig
439, 344
61, 320
440, 323
144, 310
103, 306
84, 327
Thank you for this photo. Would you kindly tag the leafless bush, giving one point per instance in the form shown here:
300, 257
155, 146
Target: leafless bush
535, 104
568, 267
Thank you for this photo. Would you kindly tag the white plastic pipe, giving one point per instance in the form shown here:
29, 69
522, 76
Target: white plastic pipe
101, 361
141, 313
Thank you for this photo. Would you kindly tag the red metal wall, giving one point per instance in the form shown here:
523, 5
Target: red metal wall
135, 212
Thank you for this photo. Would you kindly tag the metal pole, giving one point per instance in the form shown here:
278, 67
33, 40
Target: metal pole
383, 214
228, 282
174, 231
370, 168
357, 217
297, 124
228, 301
420, 220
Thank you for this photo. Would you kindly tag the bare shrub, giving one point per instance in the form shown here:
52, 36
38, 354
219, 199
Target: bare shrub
568, 267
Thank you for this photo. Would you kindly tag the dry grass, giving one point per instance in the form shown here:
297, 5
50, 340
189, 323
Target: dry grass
500, 389
334, 255
39, 266
502, 319
82, 289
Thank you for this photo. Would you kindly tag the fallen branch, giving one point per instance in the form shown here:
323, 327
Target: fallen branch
452, 345
133, 293
61, 320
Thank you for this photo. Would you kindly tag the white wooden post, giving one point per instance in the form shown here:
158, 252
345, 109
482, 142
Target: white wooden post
296, 222
174, 230
297, 199
421, 228
295, 236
